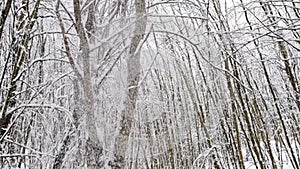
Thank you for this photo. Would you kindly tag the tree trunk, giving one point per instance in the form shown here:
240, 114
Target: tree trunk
133, 66
93, 148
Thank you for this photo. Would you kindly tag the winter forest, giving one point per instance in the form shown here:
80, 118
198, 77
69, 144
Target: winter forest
150, 84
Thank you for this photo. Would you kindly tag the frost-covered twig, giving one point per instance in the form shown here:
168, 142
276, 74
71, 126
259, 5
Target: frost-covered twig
29, 148
204, 156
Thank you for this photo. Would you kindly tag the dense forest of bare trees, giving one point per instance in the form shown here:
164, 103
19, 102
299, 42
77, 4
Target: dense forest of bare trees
150, 84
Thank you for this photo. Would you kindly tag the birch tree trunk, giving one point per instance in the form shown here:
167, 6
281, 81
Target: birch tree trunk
133, 67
